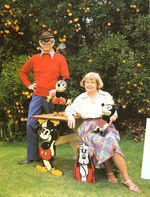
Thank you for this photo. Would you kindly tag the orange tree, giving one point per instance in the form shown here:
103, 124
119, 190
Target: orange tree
14, 100
109, 37
72, 23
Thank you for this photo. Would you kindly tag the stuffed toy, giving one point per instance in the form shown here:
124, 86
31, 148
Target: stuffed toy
83, 167
49, 134
108, 110
59, 100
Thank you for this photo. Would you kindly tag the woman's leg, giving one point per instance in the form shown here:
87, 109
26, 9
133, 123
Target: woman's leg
110, 175
121, 165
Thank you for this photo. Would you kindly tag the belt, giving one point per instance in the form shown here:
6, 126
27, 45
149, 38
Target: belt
88, 119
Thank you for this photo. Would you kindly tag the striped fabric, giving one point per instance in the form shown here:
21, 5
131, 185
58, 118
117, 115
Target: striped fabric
100, 148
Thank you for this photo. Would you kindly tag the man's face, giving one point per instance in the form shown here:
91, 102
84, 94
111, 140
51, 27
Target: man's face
47, 44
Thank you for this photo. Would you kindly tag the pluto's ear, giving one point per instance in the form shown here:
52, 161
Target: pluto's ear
77, 157
89, 164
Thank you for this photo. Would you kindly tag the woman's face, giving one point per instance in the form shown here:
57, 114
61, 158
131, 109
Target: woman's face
90, 85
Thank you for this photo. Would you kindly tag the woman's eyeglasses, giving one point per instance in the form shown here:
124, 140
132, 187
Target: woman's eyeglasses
90, 82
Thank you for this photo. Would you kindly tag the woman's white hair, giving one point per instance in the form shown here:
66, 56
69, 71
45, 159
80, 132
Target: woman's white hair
92, 75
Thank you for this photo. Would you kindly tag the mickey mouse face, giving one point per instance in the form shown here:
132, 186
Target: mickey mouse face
61, 86
45, 134
106, 109
47, 131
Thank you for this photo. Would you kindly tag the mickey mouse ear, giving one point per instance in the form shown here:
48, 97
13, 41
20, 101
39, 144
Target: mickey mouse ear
53, 123
117, 105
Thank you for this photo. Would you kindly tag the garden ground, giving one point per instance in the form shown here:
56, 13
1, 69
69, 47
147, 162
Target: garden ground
27, 181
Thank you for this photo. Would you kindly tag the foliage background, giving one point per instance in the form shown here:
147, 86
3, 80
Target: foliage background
108, 37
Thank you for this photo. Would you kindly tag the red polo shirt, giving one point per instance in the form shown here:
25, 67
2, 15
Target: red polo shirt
46, 71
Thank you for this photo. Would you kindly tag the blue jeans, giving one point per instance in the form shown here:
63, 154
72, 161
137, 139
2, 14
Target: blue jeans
38, 105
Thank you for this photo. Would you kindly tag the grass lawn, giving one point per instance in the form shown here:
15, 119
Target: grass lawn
27, 181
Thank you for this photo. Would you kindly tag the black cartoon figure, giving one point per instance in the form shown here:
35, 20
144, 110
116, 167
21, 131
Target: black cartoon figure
49, 134
60, 99
108, 110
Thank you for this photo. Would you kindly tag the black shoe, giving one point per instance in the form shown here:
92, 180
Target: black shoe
24, 162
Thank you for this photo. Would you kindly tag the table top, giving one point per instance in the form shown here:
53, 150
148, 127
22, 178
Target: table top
52, 117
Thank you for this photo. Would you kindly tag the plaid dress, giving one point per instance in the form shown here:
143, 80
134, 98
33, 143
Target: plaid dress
100, 148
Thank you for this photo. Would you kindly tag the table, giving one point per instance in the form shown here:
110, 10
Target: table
71, 138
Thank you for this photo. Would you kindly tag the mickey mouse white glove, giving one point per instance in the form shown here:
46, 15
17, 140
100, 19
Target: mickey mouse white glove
52, 93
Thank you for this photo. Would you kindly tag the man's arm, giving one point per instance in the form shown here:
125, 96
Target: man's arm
24, 71
64, 75
64, 71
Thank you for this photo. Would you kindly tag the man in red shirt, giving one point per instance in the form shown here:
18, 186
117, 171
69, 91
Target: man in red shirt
47, 66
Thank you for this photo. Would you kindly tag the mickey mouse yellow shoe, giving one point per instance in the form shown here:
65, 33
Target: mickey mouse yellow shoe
41, 168
56, 172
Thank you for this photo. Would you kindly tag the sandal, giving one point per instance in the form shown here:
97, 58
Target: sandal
112, 180
133, 187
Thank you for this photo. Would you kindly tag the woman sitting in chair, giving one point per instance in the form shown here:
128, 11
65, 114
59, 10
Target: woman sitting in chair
101, 148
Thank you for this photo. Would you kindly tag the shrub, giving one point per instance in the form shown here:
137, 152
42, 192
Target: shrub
125, 75
135, 128
14, 100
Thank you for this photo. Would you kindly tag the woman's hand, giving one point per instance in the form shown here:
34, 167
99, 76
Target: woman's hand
32, 86
71, 121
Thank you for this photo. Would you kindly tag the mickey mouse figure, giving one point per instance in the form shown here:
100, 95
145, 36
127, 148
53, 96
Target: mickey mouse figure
108, 110
49, 134
59, 99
